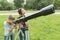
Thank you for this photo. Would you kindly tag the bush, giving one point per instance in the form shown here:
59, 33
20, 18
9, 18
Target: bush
57, 4
18, 3
1, 7
10, 7
4, 5
37, 4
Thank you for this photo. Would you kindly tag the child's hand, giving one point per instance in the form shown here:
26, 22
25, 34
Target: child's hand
10, 30
15, 27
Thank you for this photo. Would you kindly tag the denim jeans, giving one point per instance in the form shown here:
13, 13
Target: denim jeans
7, 37
26, 36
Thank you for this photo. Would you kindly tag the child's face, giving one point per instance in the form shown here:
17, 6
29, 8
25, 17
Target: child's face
10, 21
23, 12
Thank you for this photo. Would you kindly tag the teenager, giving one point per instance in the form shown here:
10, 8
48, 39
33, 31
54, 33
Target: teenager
23, 26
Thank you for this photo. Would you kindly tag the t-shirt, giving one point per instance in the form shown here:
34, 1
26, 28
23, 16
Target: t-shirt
7, 26
22, 25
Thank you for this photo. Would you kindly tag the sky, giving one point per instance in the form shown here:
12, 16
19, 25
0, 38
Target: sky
10, 0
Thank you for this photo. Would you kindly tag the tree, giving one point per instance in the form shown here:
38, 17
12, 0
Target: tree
10, 6
4, 5
37, 4
29, 4
57, 4
18, 3
42, 3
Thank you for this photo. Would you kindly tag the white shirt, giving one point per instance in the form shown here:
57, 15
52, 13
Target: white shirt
7, 26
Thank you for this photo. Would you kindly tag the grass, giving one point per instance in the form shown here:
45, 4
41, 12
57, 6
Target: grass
42, 28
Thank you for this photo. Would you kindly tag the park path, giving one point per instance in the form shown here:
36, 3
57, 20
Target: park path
27, 13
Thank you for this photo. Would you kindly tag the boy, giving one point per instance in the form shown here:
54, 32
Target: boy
23, 26
9, 26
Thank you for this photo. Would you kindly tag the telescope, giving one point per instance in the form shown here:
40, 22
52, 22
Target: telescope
43, 12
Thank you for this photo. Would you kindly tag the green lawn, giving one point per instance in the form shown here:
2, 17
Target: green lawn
42, 28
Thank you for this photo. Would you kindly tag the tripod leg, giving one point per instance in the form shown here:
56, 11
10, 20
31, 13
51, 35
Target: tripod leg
17, 34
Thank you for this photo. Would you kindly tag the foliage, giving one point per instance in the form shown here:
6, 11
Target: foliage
18, 3
4, 5
57, 4
31, 4
37, 4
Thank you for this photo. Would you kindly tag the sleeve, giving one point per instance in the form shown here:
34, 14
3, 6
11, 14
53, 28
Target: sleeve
6, 26
6, 29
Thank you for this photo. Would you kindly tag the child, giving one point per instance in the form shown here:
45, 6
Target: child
9, 26
23, 26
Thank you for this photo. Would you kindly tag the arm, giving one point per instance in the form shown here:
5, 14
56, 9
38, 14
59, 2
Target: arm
13, 26
27, 23
6, 26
